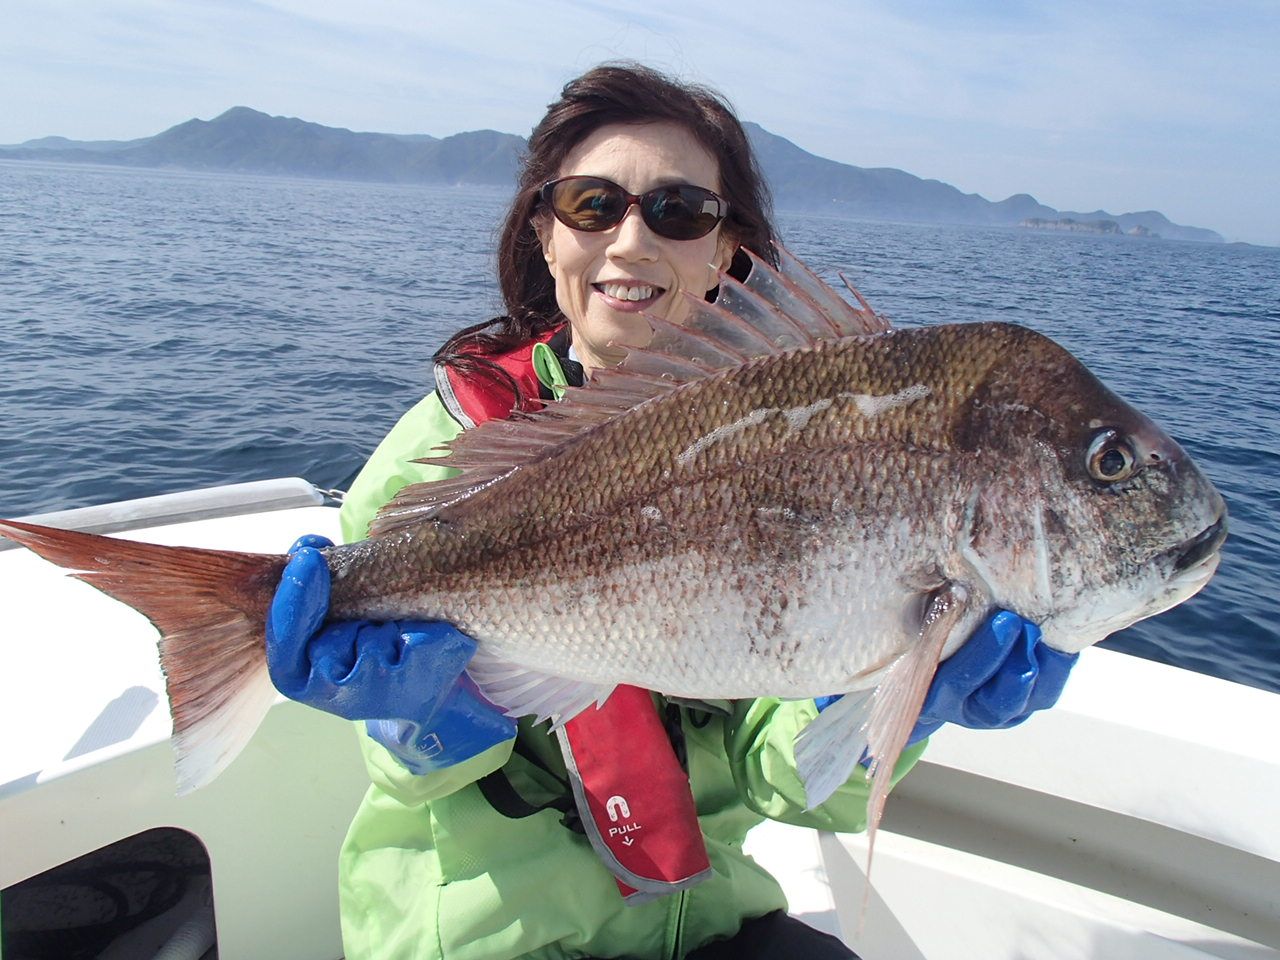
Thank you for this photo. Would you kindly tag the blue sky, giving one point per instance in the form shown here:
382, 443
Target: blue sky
1138, 105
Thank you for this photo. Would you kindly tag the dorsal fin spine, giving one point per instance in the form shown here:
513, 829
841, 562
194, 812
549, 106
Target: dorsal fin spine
849, 319
735, 294
763, 273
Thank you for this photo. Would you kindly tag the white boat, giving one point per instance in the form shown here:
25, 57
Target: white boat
1140, 818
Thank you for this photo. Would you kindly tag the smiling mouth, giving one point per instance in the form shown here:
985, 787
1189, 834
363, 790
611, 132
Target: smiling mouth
629, 294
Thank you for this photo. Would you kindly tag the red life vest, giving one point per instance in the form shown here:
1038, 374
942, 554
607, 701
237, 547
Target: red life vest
473, 400
632, 794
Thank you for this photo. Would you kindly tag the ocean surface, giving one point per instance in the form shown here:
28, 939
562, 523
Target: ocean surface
164, 331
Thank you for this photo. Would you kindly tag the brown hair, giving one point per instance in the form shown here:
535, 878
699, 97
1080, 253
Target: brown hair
611, 93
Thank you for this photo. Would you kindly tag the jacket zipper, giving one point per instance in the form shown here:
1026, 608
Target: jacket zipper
677, 940
673, 723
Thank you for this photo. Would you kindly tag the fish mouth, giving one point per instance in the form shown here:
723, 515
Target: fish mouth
1201, 547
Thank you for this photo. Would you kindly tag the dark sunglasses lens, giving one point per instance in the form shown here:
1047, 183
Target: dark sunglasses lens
681, 213
585, 203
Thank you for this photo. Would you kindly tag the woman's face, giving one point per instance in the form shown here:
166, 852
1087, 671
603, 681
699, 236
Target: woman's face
598, 274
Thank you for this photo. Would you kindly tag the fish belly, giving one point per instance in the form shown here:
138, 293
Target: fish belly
701, 624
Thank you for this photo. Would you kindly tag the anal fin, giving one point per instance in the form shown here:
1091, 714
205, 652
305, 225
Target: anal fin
522, 692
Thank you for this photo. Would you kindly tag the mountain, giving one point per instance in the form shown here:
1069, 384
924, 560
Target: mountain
803, 181
62, 143
247, 141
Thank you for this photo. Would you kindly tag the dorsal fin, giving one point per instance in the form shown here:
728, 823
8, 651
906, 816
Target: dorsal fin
772, 312
848, 319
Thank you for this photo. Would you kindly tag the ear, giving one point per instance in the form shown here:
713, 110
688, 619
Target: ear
545, 229
726, 247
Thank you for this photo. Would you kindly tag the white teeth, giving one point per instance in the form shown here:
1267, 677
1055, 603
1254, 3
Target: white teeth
621, 291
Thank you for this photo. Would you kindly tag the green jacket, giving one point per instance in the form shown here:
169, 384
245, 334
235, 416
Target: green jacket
430, 869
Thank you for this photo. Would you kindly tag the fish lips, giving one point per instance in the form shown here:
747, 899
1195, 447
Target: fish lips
1201, 547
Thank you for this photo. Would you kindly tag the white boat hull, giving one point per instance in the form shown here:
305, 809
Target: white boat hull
1135, 819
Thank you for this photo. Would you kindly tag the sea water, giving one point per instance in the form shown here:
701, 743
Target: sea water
162, 331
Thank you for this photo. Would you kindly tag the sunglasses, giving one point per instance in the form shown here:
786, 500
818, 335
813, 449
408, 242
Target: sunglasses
678, 212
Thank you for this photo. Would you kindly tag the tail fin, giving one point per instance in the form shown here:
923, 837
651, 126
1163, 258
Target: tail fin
210, 607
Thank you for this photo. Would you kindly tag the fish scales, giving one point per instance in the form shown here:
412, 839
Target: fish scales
727, 539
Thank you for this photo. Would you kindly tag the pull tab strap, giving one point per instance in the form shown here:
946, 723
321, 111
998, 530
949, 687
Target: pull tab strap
547, 367
634, 798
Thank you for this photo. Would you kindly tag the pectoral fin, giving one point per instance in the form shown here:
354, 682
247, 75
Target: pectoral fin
877, 723
901, 694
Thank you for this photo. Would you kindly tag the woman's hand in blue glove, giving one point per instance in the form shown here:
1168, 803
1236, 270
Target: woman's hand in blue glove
411, 671
999, 677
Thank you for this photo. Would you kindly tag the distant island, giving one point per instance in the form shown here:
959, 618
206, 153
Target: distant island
1086, 226
243, 140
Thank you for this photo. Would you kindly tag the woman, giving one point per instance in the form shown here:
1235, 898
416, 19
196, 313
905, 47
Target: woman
635, 190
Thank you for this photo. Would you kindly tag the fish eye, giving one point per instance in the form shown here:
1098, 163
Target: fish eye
1110, 458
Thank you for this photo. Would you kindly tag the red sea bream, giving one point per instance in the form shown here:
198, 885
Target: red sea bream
784, 497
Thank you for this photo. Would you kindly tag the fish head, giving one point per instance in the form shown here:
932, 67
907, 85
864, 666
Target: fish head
1098, 517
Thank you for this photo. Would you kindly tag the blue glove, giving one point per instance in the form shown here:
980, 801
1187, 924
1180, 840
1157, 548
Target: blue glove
999, 677
411, 670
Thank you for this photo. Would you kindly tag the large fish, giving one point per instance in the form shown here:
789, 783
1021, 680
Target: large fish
782, 497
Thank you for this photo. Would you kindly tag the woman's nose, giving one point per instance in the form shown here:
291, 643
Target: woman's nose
633, 240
